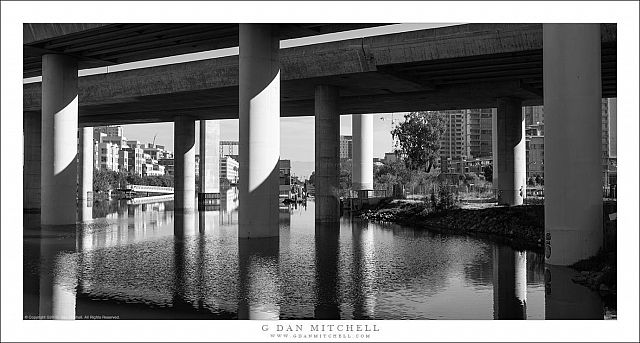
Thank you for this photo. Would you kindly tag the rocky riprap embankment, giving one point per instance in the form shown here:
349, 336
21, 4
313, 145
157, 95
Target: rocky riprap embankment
522, 226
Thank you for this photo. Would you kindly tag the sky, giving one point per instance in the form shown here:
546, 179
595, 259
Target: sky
297, 137
296, 133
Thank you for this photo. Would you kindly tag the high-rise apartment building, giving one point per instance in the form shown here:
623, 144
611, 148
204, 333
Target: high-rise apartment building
346, 147
478, 130
453, 145
229, 148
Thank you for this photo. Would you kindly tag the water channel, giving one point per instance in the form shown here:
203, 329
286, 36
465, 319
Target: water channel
127, 263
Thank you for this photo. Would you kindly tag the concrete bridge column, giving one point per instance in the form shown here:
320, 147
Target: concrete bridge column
259, 87
494, 149
573, 147
209, 195
184, 163
362, 126
31, 165
509, 283
85, 173
327, 149
512, 156
59, 139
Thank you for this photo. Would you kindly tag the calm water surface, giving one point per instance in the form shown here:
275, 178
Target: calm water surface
127, 263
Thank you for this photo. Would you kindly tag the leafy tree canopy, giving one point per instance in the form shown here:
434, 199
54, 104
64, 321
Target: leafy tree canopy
418, 139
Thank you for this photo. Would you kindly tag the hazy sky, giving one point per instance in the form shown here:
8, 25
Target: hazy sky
296, 134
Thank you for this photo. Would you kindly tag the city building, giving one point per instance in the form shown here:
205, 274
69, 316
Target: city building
108, 156
453, 145
150, 169
111, 130
167, 163
284, 167
123, 160
120, 141
478, 130
535, 155
346, 147
229, 168
609, 142
390, 157
228, 148
135, 159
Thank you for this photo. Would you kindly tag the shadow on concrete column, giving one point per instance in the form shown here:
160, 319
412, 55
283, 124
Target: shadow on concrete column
327, 241
185, 164
259, 285
572, 142
59, 139
511, 152
509, 283
327, 151
259, 93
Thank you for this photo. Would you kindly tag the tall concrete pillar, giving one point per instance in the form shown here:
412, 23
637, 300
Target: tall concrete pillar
31, 172
327, 154
512, 158
259, 84
209, 196
573, 147
362, 127
494, 149
184, 164
85, 174
509, 283
59, 139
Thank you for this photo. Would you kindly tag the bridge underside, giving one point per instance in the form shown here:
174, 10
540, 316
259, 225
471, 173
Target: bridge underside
467, 67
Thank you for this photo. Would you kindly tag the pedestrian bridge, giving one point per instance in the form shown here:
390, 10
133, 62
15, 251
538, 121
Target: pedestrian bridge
148, 189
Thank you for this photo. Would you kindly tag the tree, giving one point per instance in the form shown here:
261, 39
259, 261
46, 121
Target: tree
488, 173
312, 178
418, 139
345, 177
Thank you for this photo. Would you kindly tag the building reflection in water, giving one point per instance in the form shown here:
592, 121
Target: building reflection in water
509, 283
565, 299
58, 273
364, 270
258, 283
327, 242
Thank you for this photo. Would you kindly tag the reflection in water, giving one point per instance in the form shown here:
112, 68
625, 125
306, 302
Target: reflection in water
364, 270
509, 283
57, 289
85, 210
259, 294
327, 244
146, 262
565, 299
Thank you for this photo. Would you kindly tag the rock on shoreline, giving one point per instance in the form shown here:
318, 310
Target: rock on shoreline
521, 226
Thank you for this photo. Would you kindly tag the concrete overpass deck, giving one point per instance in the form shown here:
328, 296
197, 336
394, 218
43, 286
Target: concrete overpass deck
465, 66
98, 45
